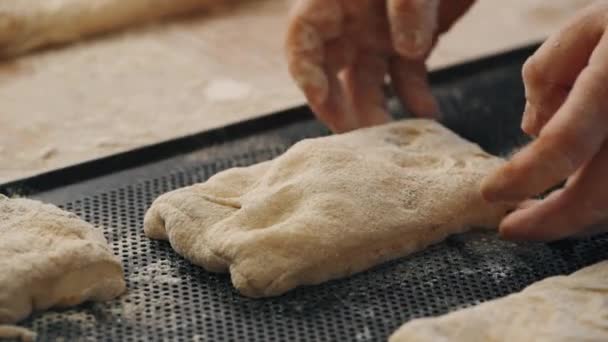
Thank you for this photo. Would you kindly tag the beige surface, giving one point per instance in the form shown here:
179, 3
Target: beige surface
121, 91
498, 25
51, 258
30, 24
329, 207
571, 308
117, 92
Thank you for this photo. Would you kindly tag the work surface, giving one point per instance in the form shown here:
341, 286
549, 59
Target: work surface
170, 299
111, 94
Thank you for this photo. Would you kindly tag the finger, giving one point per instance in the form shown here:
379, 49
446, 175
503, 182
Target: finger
364, 82
536, 117
549, 74
528, 204
413, 26
569, 140
337, 110
410, 80
572, 210
312, 23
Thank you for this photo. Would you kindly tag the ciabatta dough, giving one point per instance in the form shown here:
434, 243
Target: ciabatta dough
29, 24
51, 258
329, 207
572, 308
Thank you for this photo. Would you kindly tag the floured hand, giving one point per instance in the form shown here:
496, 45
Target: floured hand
340, 52
567, 108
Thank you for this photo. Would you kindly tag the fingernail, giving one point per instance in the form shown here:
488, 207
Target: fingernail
412, 43
312, 80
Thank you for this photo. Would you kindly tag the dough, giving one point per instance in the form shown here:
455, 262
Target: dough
572, 308
329, 207
29, 24
15, 332
51, 258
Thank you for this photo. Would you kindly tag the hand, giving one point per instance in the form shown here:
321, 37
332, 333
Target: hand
567, 108
340, 52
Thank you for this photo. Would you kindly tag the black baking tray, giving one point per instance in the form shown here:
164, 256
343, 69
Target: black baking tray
171, 300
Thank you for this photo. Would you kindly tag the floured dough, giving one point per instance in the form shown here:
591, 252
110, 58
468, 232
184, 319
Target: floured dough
29, 24
51, 258
572, 308
329, 207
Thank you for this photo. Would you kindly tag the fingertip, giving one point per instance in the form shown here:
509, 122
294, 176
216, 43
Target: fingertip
413, 25
513, 229
413, 89
316, 95
540, 220
313, 81
425, 106
493, 187
412, 43
520, 226
507, 232
378, 117
326, 116
528, 121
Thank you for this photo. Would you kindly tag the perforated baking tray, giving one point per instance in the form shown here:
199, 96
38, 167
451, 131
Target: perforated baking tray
171, 300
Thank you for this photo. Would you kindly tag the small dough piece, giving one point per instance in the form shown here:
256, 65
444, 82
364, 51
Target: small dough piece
30, 24
329, 207
564, 308
51, 258
15, 332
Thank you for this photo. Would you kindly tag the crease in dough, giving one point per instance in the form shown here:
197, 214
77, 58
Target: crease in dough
51, 258
562, 308
329, 207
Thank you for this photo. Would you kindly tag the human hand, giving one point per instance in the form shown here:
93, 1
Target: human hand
566, 84
340, 51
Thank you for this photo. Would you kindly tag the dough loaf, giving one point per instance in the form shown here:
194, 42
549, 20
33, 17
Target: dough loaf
572, 308
51, 258
29, 24
329, 207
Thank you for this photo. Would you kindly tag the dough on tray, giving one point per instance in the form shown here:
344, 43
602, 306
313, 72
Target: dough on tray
29, 24
329, 207
51, 258
564, 308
